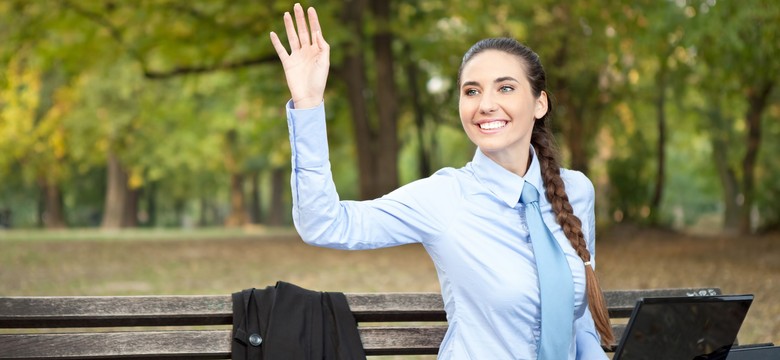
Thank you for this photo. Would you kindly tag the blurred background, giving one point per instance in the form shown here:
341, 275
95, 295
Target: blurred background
144, 147
170, 113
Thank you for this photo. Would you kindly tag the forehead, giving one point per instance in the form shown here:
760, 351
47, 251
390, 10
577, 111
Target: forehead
493, 64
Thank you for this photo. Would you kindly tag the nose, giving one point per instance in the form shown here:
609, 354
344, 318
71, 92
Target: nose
487, 105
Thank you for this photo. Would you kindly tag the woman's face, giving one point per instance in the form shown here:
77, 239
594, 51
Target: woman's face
497, 107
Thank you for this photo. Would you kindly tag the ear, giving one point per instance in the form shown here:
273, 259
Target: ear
540, 109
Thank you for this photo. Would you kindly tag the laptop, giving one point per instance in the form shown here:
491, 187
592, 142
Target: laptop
683, 328
766, 351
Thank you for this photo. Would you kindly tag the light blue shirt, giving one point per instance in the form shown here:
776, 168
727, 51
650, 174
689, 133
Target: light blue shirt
473, 227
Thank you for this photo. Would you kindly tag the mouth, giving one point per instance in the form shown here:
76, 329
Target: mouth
492, 125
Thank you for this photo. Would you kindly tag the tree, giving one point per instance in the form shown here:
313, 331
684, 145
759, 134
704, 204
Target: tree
172, 107
737, 64
36, 95
656, 53
575, 36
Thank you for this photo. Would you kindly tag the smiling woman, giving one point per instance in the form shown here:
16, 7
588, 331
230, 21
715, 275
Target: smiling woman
498, 108
515, 268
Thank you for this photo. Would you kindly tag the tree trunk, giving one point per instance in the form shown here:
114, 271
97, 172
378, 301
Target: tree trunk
151, 204
730, 187
386, 101
571, 113
573, 128
255, 208
116, 194
728, 178
238, 216
353, 72
757, 102
377, 143
660, 108
130, 213
52, 214
6, 220
424, 166
576, 139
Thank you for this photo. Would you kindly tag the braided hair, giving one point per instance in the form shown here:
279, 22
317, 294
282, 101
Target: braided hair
544, 144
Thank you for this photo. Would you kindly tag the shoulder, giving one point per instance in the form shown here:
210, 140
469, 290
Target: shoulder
441, 192
444, 183
578, 186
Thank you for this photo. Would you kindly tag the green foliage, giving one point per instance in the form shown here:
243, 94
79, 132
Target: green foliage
186, 93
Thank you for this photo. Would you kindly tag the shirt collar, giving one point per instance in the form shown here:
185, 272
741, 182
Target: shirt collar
504, 184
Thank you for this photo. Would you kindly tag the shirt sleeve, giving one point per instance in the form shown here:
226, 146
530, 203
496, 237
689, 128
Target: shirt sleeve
588, 341
588, 216
322, 219
587, 338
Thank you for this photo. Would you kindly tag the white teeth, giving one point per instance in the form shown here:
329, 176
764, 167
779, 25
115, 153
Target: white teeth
492, 125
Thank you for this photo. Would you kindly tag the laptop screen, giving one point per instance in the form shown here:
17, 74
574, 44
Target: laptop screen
683, 327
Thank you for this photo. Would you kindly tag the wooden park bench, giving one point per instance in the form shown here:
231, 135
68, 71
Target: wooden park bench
199, 327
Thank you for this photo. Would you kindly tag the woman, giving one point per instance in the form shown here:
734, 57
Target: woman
477, 222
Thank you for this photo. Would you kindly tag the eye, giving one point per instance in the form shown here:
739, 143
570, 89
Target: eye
471, 92
505, 88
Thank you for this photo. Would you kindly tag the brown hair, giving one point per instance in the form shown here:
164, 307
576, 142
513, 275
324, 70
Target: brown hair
547, 153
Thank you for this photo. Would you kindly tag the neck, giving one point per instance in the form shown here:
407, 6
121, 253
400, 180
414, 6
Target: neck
518, 162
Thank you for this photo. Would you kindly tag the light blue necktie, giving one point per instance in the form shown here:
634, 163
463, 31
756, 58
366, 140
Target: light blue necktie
555, 282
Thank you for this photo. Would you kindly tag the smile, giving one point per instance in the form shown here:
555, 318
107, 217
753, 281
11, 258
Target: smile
492, 125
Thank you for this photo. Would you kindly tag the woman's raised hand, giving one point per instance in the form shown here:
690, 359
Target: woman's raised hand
306, 66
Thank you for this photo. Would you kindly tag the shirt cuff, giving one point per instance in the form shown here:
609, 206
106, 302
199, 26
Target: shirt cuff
308, 136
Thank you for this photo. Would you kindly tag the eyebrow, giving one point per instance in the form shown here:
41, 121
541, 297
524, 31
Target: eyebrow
497, 80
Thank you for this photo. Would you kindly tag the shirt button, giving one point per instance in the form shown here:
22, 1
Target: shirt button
255, 340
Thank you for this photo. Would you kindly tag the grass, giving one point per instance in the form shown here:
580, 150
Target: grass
140, 234
217, 261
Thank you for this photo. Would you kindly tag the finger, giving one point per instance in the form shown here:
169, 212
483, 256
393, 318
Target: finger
292, 37
280, 50
321, 43
314, 22
300, 20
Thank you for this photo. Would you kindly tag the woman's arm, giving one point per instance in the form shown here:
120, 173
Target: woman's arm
409, 214
587, 338
319, 215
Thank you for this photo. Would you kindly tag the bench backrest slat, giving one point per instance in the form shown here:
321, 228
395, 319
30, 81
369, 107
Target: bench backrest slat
109, 311
380, 307
397, 337
200, 344
419, 340
211, 344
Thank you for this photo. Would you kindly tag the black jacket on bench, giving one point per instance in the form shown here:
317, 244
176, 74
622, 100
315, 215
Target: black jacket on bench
289, 322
